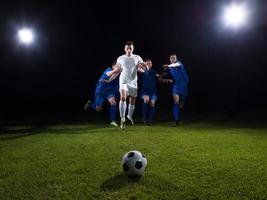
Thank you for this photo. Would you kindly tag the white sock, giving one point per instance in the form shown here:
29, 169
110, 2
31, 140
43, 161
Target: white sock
122, 107
130, 110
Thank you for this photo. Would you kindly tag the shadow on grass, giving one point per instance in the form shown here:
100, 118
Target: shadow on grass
13, 133
147, 182
18, 130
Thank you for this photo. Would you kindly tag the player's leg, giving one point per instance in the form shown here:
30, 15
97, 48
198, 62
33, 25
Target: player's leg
131, 108
176, 108
145, 99
97, 104
132, 98
112, 109
152, 109
123, 106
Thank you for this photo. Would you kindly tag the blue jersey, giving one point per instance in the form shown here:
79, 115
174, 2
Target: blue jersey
103, 87
179, 75
149, 82
180, 79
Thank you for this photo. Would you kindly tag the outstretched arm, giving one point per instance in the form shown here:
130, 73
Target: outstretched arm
165, 66
113, 74
116, 70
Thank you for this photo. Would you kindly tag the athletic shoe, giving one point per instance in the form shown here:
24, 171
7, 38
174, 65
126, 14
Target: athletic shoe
122, 126
177, 123
114, 124
131, 119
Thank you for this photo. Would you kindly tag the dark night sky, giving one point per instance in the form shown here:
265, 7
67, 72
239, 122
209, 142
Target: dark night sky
75, 40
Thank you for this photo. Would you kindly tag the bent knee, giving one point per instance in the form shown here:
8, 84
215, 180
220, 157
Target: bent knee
98, 109
146, 100
113, 103
152, 104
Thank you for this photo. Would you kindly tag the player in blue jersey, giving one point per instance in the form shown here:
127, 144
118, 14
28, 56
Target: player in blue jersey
107, 88
179, 80
148, 92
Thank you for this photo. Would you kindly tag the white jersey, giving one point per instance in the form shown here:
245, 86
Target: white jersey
129, 64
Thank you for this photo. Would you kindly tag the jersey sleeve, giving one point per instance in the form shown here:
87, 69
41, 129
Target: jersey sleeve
119, 60
140, 60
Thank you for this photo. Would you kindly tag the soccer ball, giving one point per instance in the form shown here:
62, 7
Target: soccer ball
134, 163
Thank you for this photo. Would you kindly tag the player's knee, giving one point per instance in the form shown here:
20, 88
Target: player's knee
98, 108
123, 98
176, 102
132, 100
146, 100
113, 103
152, 104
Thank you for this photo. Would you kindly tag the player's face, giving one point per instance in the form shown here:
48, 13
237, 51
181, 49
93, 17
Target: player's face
173, 59
129, 49
149, 64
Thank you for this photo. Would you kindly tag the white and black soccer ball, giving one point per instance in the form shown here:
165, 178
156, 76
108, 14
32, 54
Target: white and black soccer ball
134, 163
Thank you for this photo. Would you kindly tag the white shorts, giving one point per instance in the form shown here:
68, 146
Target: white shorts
131, 91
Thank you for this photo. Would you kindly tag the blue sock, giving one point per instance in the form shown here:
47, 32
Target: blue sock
151, 114
145, 111
92, 105
112, 113
176, 112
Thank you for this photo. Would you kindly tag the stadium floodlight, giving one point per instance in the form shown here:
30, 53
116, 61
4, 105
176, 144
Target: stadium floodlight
235, 15
25, 36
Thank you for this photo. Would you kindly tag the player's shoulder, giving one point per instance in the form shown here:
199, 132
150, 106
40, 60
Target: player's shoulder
122, 56
136, 56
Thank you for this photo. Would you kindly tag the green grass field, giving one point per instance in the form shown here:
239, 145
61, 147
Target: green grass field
197, 160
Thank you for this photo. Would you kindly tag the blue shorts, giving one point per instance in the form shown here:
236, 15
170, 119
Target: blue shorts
100, 97
152, 96
181, 91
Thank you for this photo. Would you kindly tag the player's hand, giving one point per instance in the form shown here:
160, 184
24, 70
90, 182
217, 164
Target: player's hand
103, 81
142, 65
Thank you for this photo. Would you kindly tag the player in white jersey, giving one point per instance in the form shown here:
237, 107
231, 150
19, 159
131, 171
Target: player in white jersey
129, 63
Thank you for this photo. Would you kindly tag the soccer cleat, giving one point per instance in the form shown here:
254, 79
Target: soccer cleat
86, 106
114, 124
131, 119
177, 123
122, 126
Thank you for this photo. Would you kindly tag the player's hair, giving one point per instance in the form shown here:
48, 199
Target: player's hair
129, 43
114, 62
148, 60
173, 54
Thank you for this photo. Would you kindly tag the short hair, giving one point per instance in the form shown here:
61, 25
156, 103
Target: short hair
173, 54
129, 43
114, 62
148, 60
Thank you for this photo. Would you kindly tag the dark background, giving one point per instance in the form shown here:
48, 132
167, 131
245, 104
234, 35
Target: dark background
75, 41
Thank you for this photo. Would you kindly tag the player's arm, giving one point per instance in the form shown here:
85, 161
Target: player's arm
113, 74
117, 70
141, 66
165, 66
141, 69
